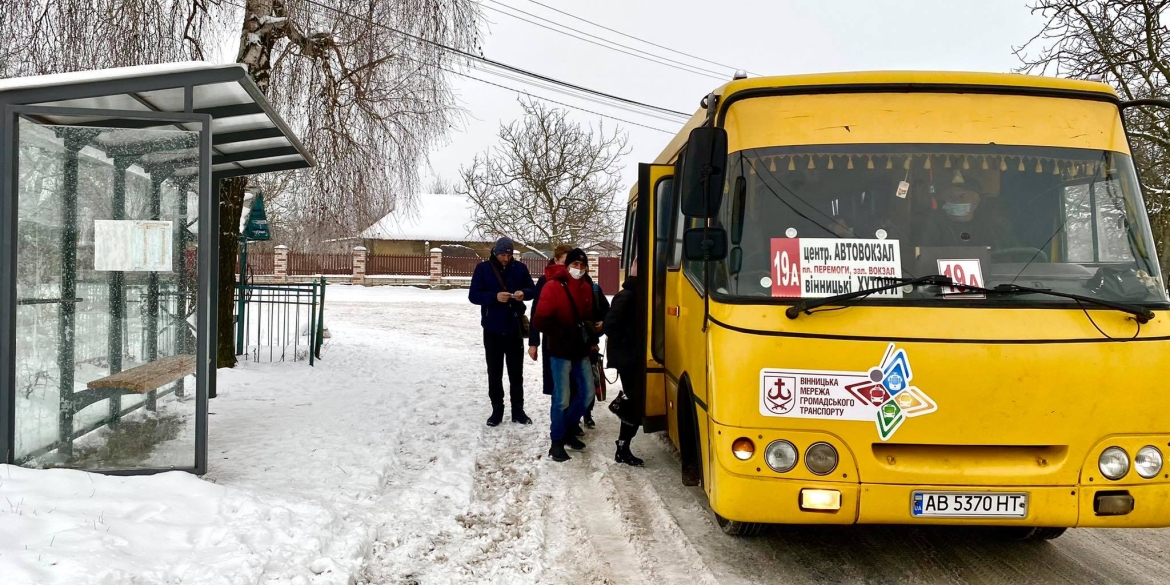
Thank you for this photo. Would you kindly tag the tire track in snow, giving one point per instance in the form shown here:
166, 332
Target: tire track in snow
665, 553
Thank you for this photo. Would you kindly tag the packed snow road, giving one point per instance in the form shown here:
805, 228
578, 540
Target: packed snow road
376, 467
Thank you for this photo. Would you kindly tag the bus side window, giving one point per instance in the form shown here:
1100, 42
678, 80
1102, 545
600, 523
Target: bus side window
663, 205
677, 218
630, 237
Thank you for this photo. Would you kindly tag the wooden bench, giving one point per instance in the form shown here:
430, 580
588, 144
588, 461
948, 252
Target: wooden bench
141, 379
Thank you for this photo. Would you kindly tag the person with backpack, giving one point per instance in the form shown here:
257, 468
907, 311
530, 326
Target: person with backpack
499, 286
623, 353
562, 313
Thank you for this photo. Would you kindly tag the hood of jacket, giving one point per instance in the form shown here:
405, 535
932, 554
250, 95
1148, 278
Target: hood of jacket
556, 272
631, 283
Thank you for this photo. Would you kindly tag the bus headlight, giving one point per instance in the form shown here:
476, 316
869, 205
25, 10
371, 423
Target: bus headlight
821, 458
780, 456
1113, 463
743, 448
1148, 462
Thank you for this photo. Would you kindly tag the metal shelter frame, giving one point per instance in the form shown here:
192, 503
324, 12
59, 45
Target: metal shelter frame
238, 134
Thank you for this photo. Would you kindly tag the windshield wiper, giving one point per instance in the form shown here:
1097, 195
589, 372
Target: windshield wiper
1140, 314
806, 307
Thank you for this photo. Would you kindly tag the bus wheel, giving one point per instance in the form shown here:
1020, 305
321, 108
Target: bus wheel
1022, 533
690, 449
733, 528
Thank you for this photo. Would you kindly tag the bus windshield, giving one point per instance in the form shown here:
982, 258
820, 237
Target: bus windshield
808, 222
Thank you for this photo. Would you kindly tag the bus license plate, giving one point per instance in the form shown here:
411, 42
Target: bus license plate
969, 504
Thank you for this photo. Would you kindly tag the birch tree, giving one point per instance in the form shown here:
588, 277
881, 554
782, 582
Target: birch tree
549, 181
362, 84
1127, 44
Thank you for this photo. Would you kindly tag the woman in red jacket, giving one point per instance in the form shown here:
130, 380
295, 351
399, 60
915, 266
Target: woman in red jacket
565, 303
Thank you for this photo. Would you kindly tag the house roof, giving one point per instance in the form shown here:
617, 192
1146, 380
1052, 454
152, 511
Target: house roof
248, 136
437, 218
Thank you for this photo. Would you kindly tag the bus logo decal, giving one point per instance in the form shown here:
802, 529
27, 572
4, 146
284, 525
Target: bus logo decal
884, 394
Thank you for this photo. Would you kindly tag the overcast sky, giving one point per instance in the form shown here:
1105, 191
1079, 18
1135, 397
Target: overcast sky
769, 37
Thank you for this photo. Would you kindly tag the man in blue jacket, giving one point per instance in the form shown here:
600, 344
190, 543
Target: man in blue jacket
500, 285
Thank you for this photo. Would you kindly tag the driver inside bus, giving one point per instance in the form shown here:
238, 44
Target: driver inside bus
966, 217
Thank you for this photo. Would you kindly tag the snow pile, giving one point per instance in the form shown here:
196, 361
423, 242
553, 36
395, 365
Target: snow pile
62, 526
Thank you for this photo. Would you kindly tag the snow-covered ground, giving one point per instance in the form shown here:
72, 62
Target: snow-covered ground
375, 467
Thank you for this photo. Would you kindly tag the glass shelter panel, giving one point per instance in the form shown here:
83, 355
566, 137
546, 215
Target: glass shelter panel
106, 286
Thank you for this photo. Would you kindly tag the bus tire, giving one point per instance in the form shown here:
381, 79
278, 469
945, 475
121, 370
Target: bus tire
689, 448
1024, 533
741, 529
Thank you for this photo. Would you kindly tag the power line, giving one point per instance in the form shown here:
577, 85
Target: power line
628, 36
653, 115
638, 53
499, 64
555, 101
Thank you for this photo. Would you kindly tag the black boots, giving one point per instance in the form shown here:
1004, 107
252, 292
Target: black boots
496, 417
574, 443
557, 452
623, 455
589, 420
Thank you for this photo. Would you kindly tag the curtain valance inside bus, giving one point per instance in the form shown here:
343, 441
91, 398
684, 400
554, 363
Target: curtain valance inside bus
961, 158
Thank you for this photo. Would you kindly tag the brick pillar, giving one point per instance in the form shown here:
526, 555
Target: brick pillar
359, 265
280, 263
436, 266
594, 264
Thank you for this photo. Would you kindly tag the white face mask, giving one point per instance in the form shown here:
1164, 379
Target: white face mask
576, 273
956, 209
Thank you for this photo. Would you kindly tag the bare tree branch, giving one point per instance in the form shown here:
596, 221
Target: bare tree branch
1124, 41
550, 181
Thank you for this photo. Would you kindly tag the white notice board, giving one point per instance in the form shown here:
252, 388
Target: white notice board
133, 245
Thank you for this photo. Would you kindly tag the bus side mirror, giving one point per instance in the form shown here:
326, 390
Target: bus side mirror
701, 244
703, 172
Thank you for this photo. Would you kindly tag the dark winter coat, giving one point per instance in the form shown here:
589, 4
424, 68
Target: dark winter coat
621, 327
533, 332
555, 317
600, 303
496, 317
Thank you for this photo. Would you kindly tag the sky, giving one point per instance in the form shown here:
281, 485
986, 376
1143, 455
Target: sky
768, 37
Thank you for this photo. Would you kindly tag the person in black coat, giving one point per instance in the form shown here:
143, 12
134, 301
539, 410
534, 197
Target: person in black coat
620, 328
500, 285
600, 308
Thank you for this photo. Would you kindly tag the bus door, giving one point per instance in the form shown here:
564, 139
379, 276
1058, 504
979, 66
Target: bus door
685, 342
654, 214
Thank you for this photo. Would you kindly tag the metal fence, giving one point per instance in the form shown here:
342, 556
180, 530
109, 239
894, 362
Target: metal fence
313, 264
377, 264
457, 266
280, 322
259, 263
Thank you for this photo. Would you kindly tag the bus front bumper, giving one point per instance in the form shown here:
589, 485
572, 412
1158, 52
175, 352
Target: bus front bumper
779, 501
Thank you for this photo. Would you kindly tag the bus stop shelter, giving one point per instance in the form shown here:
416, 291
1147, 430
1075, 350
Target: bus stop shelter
108, 257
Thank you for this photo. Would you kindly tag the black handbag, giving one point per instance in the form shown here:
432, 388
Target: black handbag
583, 329
621, 406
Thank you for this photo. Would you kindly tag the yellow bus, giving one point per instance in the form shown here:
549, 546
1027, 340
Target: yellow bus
906, 298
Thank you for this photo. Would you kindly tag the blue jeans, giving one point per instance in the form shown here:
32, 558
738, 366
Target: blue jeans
563, 414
